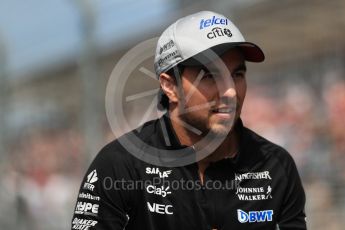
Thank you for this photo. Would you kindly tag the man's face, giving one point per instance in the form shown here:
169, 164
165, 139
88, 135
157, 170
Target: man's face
213, 95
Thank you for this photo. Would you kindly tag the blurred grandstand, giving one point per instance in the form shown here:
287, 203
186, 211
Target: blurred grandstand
53, 122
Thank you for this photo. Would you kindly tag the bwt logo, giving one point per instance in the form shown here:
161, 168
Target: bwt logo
254, 216
213, 21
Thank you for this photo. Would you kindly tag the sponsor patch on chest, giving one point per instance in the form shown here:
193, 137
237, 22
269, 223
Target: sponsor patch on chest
157, 171
254, 216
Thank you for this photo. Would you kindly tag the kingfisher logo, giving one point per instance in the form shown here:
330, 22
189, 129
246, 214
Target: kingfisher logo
253, 176
254, 216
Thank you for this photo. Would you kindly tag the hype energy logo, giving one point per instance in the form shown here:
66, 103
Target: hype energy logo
254, 216
204, 23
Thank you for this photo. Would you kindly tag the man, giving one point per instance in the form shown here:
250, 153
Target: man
200, 62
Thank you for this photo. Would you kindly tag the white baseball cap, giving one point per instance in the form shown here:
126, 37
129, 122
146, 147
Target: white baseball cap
193, 35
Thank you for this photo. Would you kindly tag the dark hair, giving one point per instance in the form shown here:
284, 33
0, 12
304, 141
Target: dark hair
163, 100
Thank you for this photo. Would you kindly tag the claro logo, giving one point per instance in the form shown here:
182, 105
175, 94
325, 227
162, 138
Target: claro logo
161, 191
254, 216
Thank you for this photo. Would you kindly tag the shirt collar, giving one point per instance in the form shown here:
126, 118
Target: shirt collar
166, 134
248, 152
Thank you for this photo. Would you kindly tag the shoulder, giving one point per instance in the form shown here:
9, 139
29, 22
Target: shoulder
119, 151
269, 150
113, 152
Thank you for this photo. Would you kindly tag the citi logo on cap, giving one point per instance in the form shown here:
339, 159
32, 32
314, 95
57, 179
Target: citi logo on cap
218, 32
213, 21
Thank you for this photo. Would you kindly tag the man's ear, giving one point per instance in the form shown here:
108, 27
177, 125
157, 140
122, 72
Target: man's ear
168, 85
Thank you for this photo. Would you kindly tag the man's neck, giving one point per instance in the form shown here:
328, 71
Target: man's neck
227, 148
186, 137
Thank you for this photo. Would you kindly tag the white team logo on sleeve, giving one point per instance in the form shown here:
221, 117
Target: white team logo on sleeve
91, 178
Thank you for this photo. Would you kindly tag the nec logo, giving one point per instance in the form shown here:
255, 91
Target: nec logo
254, 216
160, 208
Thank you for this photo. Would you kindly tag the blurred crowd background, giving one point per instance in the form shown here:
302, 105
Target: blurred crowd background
56, 58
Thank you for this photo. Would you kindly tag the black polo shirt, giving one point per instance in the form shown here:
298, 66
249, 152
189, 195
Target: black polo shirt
259, 189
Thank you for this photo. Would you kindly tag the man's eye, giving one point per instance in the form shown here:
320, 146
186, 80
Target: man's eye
208, 76
240, 74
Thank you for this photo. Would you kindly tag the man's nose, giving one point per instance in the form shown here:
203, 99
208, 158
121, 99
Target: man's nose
230, 93
227, 89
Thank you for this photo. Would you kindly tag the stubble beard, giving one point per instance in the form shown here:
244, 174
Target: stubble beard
203, 124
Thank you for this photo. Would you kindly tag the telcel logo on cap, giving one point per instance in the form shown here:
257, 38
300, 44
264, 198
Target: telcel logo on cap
213, 21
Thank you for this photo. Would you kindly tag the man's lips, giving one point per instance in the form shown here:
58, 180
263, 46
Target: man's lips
223, 109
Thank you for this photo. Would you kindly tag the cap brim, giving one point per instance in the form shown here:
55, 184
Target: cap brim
251, 52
